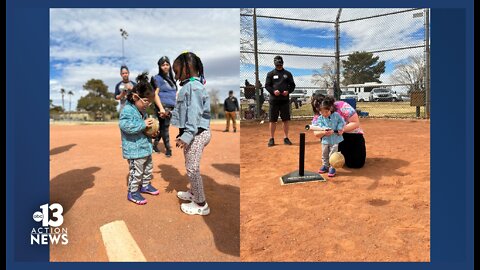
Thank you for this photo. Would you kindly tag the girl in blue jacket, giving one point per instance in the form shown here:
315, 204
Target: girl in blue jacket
136, 146
332, 122
192, 116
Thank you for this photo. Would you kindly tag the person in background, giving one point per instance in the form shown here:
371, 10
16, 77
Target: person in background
230, 105
124, 86
165, 98
279, 84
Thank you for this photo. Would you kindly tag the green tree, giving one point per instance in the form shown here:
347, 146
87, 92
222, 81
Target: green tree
98, 99
362, 67
62, 91
55, 109
70, 94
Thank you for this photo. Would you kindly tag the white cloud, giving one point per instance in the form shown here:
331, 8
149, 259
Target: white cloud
372, 34
86, 43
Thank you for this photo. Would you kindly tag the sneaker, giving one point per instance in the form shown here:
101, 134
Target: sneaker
155, 148
271, 142
185, 195
331, 172
150, 190
192, 208
168, 152
323, 169
234, 130
136, 197
226, 130
287, 141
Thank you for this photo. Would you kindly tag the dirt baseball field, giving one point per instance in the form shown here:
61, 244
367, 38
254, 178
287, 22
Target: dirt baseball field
88, 177
380, 212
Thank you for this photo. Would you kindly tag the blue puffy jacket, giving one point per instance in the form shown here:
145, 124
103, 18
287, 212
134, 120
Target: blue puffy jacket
135, 144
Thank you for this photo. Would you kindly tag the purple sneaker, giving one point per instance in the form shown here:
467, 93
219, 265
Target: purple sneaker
331, 172
323, 169
150, 190
136, 197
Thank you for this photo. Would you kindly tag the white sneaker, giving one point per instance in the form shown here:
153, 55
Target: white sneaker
185, 195
192, 208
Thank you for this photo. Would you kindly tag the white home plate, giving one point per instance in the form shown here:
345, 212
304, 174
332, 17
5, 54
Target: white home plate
119, 243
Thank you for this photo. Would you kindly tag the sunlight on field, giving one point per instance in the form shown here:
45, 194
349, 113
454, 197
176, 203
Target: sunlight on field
374, 109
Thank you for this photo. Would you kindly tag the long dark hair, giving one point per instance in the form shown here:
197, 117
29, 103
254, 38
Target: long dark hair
320, 101
192, 64
328, 103
169, 78
316, 101
143, 88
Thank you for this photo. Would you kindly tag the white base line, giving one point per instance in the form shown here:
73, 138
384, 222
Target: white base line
119, 243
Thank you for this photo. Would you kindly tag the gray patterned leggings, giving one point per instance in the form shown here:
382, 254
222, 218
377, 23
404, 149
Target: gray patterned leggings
140, 173
193, 153
327, 151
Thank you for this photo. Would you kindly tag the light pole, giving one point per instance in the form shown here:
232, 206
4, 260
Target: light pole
124, 35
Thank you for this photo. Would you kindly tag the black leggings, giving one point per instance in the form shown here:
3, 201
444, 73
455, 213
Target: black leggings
353, 149
164, 132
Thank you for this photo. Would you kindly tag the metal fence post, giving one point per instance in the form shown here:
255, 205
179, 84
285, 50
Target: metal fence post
427, 63
336, 89
257, 81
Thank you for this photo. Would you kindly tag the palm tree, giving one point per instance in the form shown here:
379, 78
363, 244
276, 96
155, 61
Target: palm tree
70, 94
62, 91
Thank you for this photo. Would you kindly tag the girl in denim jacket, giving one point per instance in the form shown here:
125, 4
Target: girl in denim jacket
192, 116
136, 146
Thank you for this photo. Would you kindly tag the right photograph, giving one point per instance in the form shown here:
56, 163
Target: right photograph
335, 142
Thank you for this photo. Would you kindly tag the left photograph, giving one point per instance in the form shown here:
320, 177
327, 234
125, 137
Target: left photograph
144, 135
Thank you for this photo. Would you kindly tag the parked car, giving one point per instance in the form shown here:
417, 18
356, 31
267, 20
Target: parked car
298, 93
381, 94
405, 97
396, 96
298, 97
321, 91
363, 96
348, 94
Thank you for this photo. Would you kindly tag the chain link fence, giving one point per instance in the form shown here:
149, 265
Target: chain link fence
375, 59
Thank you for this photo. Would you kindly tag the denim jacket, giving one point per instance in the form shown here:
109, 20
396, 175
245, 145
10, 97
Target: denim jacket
192, 110
335, 122
135, 144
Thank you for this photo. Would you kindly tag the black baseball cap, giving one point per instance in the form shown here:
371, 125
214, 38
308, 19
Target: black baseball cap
278, 60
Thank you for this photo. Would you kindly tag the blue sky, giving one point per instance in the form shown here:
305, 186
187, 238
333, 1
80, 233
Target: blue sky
393, 31
86, 44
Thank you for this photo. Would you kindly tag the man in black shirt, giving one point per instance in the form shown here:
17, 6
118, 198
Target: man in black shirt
279, 84
230, 105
